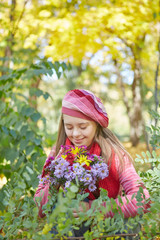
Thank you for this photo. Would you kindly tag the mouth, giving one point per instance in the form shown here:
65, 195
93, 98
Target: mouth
78, 140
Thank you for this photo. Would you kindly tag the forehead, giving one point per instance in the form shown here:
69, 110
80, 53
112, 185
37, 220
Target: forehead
70, 120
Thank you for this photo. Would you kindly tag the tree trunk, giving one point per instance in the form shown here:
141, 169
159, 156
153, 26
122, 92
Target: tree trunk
135, 116
135, 111
33, 99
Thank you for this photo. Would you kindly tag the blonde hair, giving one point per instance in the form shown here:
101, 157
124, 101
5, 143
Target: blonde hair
104, 137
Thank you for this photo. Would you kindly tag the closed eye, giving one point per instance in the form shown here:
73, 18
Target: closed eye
69, 128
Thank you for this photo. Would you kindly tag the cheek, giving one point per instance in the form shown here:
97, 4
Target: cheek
68, 132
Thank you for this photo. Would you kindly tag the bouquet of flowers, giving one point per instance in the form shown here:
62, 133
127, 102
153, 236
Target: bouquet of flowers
75, 165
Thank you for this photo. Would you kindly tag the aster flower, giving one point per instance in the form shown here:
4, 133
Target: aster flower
92, 187
67, 184
103, 173
74, 166
87, 178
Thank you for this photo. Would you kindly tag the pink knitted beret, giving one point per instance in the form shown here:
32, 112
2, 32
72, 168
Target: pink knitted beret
84, 104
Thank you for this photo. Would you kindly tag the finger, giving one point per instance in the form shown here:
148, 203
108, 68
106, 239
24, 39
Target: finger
51, 154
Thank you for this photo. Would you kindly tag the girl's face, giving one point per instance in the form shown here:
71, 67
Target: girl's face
79, 131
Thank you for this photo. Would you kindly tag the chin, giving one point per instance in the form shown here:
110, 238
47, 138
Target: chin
79, 144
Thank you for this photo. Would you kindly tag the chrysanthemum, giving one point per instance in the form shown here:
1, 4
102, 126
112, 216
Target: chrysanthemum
83, 160
75, 151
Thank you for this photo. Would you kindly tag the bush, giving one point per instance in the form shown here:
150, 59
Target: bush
22, 160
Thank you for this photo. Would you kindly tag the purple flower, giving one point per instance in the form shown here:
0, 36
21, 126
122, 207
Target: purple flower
52, 165
82, 179
68, 175
79, 171
103, 172
87, 178
47, 178
53, 181
63, 162
59, 167
67, 184
58, 173
95, 169
39, 176
92, 187
41, 180
76, 166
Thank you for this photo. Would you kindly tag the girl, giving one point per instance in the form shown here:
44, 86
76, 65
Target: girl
84, 121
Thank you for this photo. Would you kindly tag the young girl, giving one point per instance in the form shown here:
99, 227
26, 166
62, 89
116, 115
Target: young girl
84, 121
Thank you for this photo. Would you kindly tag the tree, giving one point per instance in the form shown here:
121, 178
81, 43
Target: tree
126, 30
75, 31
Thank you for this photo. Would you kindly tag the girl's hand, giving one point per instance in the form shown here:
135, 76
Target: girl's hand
84, 207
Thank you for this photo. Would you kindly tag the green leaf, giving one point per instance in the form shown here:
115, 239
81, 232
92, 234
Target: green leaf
13, 133
58, 74
37, 141
2, 106
71, 195
74, 189
29, 135
26, 176
40, 162
23, 130
144, 154
23, 144
27, 111
34, 180
148, 154
64, 66
8, 216
12, 154
21, 70
35, 116
35, 91
29, 149
46, 95
5, 130
30, 171
27, 223
21, 185
20, 160
154, 154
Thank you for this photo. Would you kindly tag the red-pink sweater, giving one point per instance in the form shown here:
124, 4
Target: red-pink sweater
125, 178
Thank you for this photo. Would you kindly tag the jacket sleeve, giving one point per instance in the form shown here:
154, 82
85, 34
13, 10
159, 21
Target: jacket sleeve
43, 190
130, 183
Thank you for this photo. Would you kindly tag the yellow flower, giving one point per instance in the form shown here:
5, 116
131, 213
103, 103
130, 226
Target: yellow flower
83, 160
63, 156
75, 151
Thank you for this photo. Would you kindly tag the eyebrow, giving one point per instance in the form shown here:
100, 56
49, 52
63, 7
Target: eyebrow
69, 124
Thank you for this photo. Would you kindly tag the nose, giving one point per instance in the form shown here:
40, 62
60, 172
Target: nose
76, 132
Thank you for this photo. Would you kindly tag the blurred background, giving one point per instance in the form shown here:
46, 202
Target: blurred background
47, 47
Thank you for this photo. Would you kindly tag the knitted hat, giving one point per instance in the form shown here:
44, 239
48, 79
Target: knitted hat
84, 104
